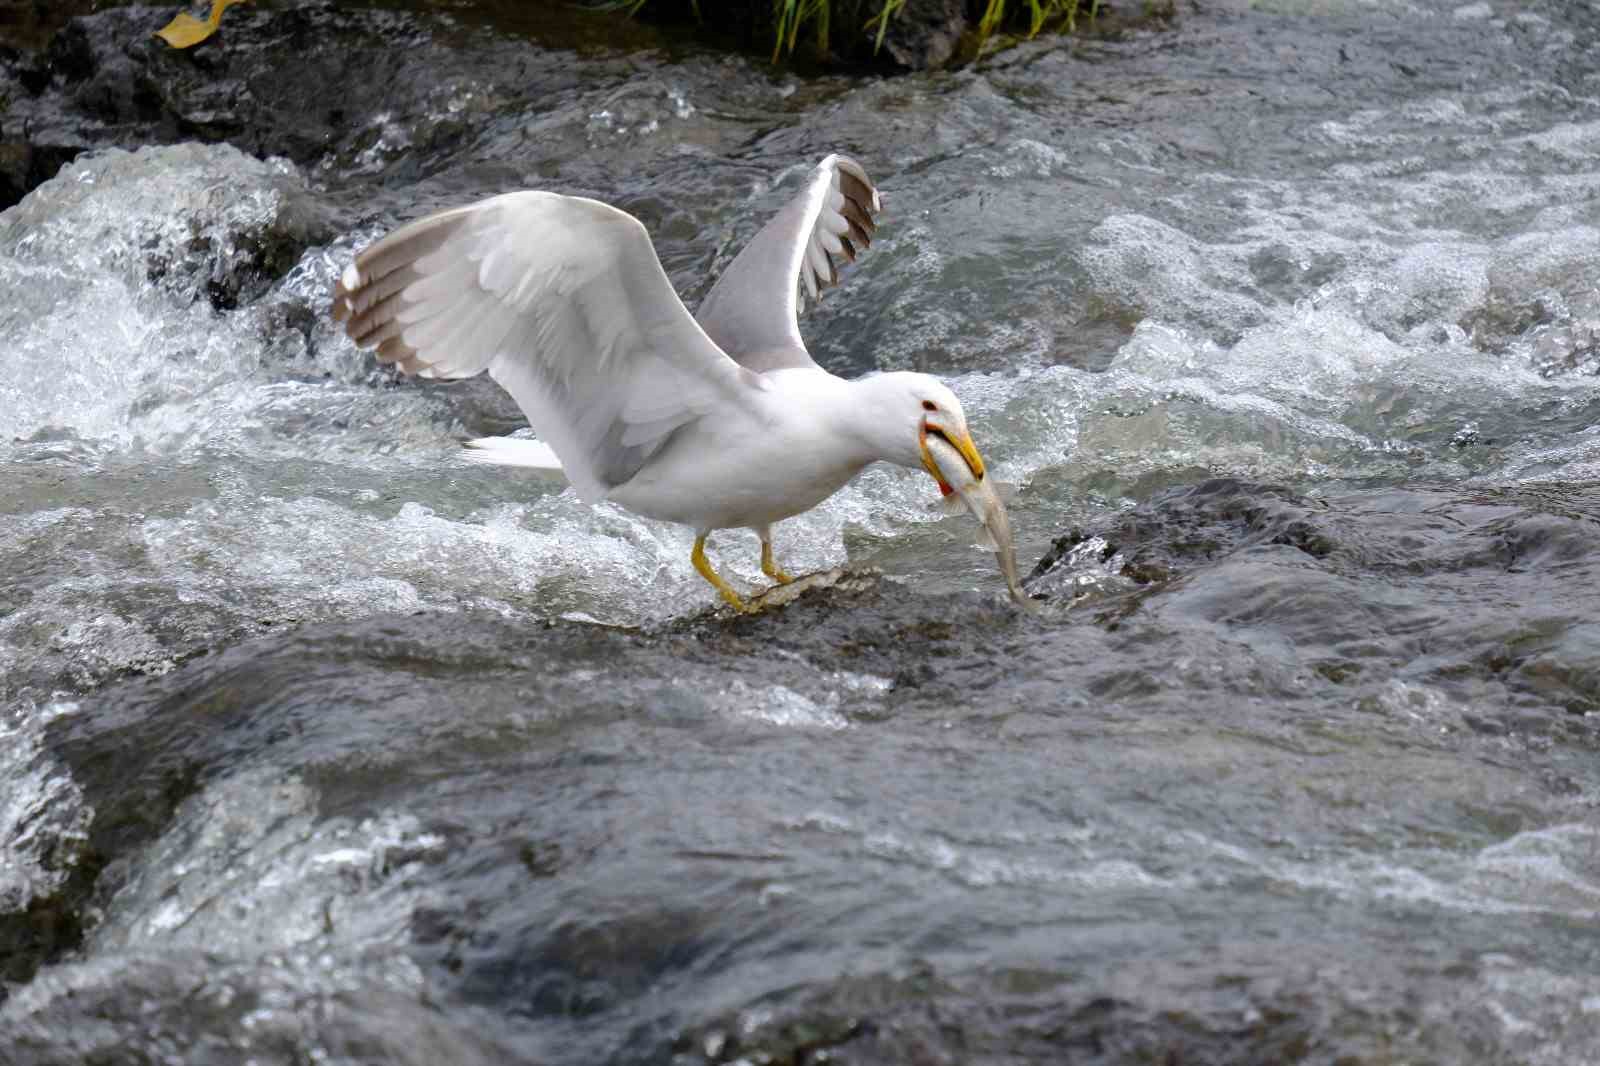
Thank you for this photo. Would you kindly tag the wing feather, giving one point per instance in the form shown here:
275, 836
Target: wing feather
753, 310
564, 302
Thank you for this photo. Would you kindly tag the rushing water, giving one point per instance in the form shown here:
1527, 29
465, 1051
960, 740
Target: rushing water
1287, 321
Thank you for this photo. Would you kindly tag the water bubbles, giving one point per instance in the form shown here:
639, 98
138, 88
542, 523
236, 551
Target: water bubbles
679, 98
388, 140
44, 819
1143, 263
1564, 335
637, 110
1419, 703
124, 267
246, 868
783, 707
1032, 158
1090, 568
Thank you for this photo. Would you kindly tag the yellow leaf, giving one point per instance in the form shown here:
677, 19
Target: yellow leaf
186, 31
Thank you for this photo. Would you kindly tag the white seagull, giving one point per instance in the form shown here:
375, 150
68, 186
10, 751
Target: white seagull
714, 421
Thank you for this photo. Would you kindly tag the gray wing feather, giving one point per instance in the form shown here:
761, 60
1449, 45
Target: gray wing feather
564, 302
753, 311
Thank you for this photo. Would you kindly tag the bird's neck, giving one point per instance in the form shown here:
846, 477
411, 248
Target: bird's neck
873, 413
866, 418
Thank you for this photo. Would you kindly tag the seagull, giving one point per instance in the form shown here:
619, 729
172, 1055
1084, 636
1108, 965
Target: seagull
715, 421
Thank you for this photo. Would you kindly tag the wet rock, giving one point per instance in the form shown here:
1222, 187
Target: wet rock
24, 166
924, 34
1359, 582
30, 23
919, 1015
279, 81
632, 840
273, 1014
780, 595
153, 746
1185, 527
224, 232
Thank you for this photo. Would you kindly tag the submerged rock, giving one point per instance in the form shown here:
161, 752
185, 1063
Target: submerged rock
680, 842
1363, 585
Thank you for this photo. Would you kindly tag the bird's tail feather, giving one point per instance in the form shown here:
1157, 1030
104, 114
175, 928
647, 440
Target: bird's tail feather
513, 451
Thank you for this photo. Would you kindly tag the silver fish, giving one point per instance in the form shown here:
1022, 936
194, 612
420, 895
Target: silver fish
984, 498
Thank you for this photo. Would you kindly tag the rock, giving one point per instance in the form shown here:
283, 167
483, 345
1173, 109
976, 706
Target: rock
923, 34
1182, 529
24, 166
204, 222
782, 595
272, 82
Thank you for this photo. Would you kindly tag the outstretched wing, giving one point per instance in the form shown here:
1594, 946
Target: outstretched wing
753, 310
563, 301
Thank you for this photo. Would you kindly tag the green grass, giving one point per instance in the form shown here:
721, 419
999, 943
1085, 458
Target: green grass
790, 14
790, 17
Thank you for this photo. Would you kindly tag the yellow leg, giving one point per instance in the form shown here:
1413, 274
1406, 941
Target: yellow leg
702, 564
769, 565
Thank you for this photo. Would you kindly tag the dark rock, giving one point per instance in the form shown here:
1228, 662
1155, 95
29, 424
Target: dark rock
308, 83
1198, 523
30, 23
534, 754
917, 1016
1146, 572
923, 34
70, 56
25, 166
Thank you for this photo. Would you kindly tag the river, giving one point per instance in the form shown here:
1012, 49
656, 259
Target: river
320, 745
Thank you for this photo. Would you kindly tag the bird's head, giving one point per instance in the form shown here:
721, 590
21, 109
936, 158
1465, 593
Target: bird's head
915, 407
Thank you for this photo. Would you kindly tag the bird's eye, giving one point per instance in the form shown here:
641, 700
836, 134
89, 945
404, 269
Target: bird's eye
929, 405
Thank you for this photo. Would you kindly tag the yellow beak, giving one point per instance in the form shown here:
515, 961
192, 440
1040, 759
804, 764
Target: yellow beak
962, 443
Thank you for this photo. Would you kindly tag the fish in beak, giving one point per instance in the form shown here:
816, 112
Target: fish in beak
954, 462
961, 442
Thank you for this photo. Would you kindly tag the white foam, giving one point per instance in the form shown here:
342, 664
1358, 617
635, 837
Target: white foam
247, 868
1541, 872
113, 339
44, 820
1149, 266
107, 265
781, 706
